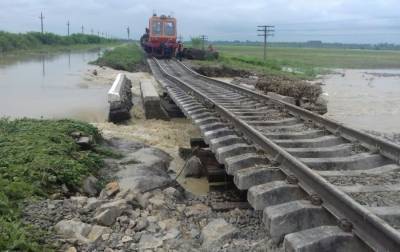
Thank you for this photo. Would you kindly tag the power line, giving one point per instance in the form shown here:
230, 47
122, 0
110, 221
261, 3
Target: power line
68, 24
83, 29
266, 31
41, 21
128, 31
203, 38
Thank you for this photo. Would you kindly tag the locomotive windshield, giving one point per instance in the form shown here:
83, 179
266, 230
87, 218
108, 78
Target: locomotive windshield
156, 28
169, 28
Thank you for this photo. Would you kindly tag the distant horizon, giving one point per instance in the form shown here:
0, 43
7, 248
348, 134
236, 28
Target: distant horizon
342, 21
230, 41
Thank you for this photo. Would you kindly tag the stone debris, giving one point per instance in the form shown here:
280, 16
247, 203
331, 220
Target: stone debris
110, 190
216, 233
124, 219
83, 232
197, 210
89, 186
193, 168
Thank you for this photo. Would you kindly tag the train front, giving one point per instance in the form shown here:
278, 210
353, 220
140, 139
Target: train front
160, 37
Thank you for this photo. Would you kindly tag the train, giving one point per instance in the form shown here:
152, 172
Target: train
160, 38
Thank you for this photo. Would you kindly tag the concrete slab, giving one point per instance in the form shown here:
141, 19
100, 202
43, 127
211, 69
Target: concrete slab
233, 150
294, 216
202, 115
362, 161
211, 134
212, 126
324, 141
224, 141
297, 135
285, 122
273, 193
151, 101
324, 238
243, 161
206, 120
120, 99
341, 150
246, 178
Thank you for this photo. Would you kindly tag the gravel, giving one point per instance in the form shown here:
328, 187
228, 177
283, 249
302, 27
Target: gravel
366, 179
377, 199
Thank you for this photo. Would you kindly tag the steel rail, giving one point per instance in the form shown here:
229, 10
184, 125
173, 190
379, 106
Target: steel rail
374, 231
381, 146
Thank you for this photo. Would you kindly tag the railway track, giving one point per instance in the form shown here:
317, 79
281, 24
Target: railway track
321, 185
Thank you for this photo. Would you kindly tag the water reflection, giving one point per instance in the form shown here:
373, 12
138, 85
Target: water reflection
52, 86
43, 66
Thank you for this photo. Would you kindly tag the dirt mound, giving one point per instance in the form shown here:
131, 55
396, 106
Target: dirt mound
300, 90
220, 71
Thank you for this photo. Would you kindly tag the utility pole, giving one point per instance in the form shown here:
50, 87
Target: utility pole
83, 29
41, 21
128, 31
266, 31
98, 34
68, 24
203, 41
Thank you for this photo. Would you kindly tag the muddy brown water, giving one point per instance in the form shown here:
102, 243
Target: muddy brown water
364, 99
51, 86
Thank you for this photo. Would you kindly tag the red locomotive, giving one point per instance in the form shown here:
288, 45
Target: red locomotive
160, 37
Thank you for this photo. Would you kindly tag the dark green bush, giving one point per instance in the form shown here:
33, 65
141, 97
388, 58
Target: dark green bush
31, 40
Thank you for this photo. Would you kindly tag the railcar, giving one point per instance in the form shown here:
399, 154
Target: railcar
160, 37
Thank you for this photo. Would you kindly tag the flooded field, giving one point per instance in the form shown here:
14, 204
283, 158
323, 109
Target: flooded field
51, 86
365, 99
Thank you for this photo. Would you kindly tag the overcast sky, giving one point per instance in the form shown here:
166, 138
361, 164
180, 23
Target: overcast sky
361, 21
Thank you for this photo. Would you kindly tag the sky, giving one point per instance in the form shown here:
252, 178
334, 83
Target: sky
347, 21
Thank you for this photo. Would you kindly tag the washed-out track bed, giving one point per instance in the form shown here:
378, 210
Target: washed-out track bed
321, 185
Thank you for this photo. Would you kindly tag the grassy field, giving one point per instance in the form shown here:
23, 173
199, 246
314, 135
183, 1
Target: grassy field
301, 63
329, 58
125, 57
37, 158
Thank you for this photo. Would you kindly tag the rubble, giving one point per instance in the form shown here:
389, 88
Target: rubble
124, 219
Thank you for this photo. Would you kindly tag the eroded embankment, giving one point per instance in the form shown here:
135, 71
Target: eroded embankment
122, 217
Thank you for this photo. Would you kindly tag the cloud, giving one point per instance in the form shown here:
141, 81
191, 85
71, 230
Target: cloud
295, 20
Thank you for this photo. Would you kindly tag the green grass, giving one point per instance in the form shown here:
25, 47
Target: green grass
126, 57
310, 57
37, 158
301, 63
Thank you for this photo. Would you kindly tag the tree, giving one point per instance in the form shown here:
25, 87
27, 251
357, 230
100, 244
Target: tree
196, 42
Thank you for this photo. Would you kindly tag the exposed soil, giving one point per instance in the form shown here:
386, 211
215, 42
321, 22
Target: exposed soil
300, 90
220, 71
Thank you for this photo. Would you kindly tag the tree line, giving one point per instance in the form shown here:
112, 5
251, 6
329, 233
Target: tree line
31, 40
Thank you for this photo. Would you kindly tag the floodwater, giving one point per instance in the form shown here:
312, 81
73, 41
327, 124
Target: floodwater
364, 99
51, 86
